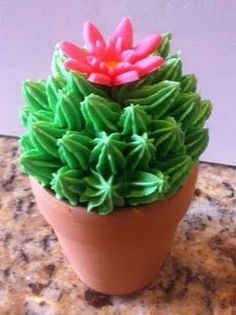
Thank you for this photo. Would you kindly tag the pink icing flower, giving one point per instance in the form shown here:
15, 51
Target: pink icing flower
115, 61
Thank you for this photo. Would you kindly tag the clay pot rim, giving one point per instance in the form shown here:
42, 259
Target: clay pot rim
78, 210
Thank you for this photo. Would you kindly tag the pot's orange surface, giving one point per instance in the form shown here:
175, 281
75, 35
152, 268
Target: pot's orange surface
121, 252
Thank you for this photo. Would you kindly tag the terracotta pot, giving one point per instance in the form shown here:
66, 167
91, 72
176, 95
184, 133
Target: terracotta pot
122, 252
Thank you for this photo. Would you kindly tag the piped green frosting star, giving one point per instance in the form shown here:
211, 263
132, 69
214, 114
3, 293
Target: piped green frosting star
102, 194
68, 184
100, 114
141, 151
144, 187
134, 120
75, 149
107, 155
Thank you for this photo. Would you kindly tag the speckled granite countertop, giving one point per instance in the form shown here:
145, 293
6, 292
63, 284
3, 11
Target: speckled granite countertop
198, 278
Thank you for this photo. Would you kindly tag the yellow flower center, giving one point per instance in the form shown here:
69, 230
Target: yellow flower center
111, 64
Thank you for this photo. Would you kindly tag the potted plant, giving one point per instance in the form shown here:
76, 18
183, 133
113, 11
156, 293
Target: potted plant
111, 146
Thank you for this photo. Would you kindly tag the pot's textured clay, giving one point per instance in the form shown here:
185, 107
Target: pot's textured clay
122, 252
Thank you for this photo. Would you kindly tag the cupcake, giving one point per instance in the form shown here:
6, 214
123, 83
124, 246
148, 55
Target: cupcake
117, 129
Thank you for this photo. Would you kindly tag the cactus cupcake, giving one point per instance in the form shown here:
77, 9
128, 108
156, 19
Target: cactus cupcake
117, 125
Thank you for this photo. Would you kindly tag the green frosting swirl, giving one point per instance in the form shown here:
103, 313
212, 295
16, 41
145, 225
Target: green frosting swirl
186, 109
45, 136
35, 96
144, 187
26, 143
57, 66
108, 153
134, 120
196, 142
74, 150
103, 194
169, 136
39, 165
188, 83
24, 115
53, 88
67, 184
141, 152
82, 87
123, 92
100, 113
40, 115
171, 71
177, 169
107, 148
68, 113
204, 112
163, 49
156, 99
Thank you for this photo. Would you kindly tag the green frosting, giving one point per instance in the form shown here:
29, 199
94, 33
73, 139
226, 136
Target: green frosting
74, 150
101, 193
40, 115
122, 93
68, 114
107, 154
67, 184
156, 99
186, 109
171, 71
163, 49
169, 136
204, 112
24, 115
53, 88
141, 152
82, 87
57, 66
39, 165
143, 187
26, 143
100, 113
188, 83
35, 96
134, 120
196, 142
107, 148
44, 136
177, 168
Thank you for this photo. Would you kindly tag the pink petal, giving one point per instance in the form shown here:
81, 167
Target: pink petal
128, 56
103, 67
78, 66
118, 45
121, 68
126, 77
97, 49
147, 46
100, 48
125, 32
94, 62
110, 52
72, 51
110, 44
100, 78
149, 64
91, 48
91, 34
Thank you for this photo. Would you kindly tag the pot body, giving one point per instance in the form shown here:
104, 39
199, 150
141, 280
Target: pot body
122, 252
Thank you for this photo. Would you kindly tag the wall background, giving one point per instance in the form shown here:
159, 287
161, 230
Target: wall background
204, 30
